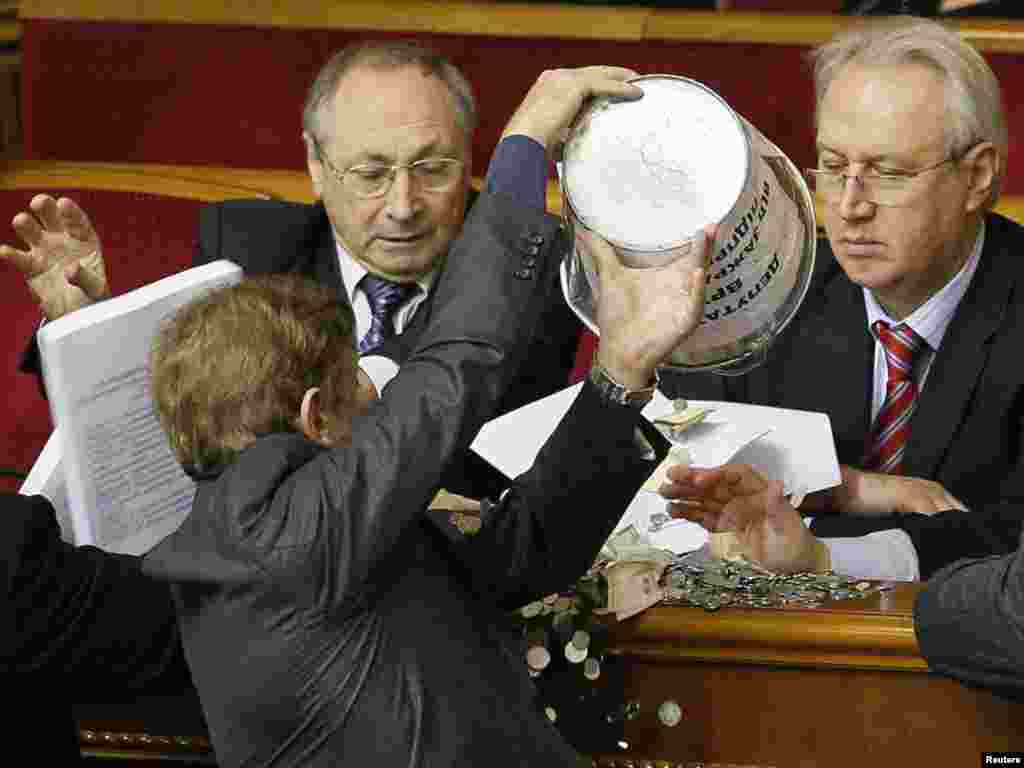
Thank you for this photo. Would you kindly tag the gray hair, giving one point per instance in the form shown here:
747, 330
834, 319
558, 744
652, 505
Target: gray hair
391, 54
974, 103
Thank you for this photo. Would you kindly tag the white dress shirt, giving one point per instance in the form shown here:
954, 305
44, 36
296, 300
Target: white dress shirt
890, 554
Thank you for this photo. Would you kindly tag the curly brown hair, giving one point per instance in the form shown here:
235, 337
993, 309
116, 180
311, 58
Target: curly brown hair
234, 365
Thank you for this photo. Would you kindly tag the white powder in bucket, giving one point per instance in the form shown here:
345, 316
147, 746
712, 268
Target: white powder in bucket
648, 174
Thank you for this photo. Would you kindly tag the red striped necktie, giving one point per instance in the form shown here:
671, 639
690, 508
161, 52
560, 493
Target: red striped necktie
892, 426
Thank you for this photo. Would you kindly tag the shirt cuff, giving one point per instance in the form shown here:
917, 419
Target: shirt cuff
519, 169
888, 555
380, 370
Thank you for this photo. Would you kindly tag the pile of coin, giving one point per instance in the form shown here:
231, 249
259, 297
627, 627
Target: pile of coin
713, 583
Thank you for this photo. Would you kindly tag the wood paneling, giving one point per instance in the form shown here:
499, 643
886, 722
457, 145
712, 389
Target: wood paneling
181, 181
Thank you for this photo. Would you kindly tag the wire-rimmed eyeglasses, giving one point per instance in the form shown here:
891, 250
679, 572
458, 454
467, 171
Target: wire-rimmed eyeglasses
889, 189
373, 179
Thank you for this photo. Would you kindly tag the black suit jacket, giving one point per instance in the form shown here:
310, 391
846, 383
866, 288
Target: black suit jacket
329, 620
967, 430
77, 623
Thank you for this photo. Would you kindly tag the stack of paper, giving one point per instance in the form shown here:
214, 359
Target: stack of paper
795, 447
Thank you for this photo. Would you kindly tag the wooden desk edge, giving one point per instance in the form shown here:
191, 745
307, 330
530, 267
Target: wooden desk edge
507, 20
278, 183
876, 633
284, 184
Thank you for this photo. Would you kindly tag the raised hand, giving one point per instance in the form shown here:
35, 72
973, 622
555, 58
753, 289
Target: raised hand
557, 95
63, 259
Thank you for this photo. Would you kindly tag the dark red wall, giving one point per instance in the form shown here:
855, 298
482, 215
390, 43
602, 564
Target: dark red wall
200, 94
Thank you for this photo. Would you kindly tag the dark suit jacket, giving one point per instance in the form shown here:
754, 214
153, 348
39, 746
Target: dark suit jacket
264, 236
76, 619
329, 620
966, 433
970, 622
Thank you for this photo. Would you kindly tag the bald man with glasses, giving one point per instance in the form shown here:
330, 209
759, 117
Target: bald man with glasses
911, 332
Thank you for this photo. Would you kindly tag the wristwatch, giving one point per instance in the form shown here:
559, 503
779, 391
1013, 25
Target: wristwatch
614, 392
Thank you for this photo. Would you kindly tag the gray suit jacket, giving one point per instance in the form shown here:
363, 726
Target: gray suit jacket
329, 620
970, 622
967, 432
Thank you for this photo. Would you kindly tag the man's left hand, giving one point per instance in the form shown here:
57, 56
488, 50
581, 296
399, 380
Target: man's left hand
874, 494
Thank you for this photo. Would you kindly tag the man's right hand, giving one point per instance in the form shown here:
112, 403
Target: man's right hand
63, 261
759, 521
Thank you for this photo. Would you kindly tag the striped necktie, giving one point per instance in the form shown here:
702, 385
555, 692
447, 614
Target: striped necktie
892, 426
384, 297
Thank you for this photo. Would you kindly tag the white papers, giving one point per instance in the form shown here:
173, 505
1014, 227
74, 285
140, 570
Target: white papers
795, 447
125, 488
46, 478
678, 536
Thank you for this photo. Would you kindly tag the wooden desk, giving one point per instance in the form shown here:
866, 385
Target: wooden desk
839, 686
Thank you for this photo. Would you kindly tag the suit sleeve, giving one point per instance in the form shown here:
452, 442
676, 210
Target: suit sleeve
549, 526
969, 620
208, 235
86, 616
336, 520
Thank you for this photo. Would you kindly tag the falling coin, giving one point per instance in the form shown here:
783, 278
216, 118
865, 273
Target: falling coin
573, 654
531, 609
538, 657
581, 639
670, 713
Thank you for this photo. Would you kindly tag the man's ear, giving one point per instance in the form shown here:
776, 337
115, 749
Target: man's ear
313, 164
310, 420
984, 168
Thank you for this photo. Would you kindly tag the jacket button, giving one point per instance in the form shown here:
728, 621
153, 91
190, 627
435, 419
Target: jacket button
524, 274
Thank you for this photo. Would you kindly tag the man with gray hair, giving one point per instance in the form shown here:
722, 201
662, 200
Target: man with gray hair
912, 326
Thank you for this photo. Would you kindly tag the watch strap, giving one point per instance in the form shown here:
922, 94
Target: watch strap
614, 392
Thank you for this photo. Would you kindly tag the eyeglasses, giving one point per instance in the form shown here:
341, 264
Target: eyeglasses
369, 180
889, 189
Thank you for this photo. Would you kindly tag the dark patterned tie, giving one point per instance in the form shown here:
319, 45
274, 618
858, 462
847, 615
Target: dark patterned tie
384, 297
889, 435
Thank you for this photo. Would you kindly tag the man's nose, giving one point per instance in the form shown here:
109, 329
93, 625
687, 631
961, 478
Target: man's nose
403, 199
853, 198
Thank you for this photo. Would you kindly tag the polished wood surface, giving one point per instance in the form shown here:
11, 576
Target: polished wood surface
184, 181
200, 182
876, 632
504, 20
840, 686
